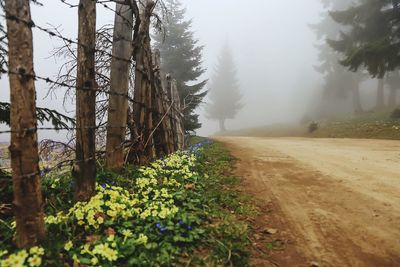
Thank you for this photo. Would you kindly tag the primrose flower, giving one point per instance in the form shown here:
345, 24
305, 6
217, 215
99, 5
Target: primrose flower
127, 233
15, 260
37, 250
105, 252
142, 239
68, 245
94, 260
35, 260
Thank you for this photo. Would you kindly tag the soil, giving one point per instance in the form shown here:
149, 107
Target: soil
324, 202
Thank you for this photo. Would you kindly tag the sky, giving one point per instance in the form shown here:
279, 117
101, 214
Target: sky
272, 45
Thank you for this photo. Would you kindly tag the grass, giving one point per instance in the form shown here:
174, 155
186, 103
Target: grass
366, 126
370, 126
199, 219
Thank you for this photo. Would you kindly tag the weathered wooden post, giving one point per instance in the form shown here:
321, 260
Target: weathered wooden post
177, 117
85, 167
144, 77
28, 201
119, 79
162, 119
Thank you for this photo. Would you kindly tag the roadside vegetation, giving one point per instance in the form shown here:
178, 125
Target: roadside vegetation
183, 210
383, 125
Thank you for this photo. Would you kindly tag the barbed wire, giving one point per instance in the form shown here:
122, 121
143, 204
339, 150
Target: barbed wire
102, 3
69, 162
31, 24
22, 73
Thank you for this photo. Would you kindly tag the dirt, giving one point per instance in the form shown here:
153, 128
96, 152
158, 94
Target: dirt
329, 202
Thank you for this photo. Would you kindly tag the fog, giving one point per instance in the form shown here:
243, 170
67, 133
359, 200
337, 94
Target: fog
272, 44
274, 52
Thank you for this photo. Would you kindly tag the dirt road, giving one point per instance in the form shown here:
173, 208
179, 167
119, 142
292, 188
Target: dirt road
339, 199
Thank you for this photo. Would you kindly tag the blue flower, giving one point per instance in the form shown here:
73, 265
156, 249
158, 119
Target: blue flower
158, 225
104, 186
181, 222
189, 228
163, 230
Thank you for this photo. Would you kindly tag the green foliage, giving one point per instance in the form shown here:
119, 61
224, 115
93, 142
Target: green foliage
371, 40
181, 56
176, 211
338, 81
58, 120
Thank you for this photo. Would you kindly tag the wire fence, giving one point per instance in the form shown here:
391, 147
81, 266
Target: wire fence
170, 105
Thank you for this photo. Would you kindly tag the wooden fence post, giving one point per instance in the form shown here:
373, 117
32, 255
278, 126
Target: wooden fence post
28, 201
85, 168
119, 79
164, 142
144, 77
177, 117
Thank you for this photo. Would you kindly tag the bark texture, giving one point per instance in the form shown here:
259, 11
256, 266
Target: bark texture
144, 78
176, 116
28, 201
85, 168
380, 97
120, 69
163, 138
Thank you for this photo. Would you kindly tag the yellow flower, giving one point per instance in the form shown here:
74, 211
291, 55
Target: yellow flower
94, 260
36, 250
127, 233
35, 260
68, 245
142, 239
75, 258
110, 238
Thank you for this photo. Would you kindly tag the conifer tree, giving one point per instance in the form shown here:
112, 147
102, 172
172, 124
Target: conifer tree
371, 39
225, 96
181, 56
338, 82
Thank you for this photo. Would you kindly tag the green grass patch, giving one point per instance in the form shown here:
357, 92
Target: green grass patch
383, 125
184, 210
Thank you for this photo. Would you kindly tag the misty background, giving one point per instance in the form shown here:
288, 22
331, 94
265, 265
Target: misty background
272, 44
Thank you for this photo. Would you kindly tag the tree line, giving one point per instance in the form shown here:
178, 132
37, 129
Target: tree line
360, 42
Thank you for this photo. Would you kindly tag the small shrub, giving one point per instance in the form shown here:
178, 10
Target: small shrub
395, 114
313, 127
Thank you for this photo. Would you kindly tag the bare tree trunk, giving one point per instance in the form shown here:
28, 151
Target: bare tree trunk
118, 104
393, 97
222, 125
28, 201
356, 99
85, 169
380, 98
144, 78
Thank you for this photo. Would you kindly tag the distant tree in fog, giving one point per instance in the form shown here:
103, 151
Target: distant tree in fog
225, 97
181, 56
